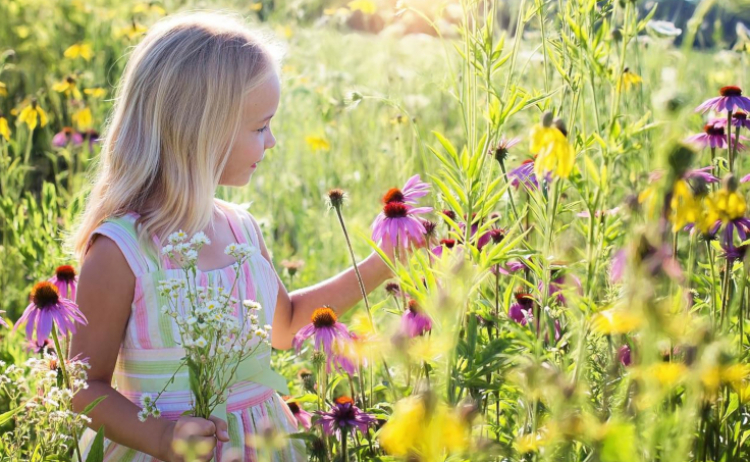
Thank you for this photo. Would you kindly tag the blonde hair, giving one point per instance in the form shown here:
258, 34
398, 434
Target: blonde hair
176, 114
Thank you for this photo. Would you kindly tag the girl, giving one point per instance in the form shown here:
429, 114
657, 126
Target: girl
192, 112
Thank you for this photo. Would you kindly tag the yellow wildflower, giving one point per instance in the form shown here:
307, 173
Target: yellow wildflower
668, 374
95, 92
32, 114
365, 6
733, 375
628, 80
554, 153
256, 6
616, 321
4, 128
317, 143
83, 50
428, 435
685, 208
3, 89
68, 87
149, 7
133, 31
724, 204
83, 118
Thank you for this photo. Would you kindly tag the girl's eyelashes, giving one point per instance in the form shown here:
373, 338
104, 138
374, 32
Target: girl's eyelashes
263, 129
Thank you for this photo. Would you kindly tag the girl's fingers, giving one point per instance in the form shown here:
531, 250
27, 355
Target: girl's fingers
221, 428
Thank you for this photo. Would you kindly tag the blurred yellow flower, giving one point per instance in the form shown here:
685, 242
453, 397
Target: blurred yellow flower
685, 209
95, 92
628, 80
68, 87
554, 153
365, 6
428, 348
317, 143
3, 89
284, 31
668, 374
616, 321
149, 8
33, 114
256, 6
413, 431
83, 50
733, 375
532, 442
133, 31
4, 128
83, 119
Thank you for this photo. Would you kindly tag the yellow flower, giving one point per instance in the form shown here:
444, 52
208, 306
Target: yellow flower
68, 87
95, 92
133, 31
668, 374
32, 114
83, 118
412, 430
365, 6
616, 321
149, 8
4, 128
3, 89
733, 375
256, 6
628, 80
554, 153
79, 49
532, 442
727, 205
317, 143
285, 31
685, 209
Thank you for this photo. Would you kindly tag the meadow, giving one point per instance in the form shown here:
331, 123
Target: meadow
583, 293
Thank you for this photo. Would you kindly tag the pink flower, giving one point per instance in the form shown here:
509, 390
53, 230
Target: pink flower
344, 416
398, 222
302, 417
2, 319
47, 309
412, 190
414, 322
731, 98
327, 333
65, 136
66, 281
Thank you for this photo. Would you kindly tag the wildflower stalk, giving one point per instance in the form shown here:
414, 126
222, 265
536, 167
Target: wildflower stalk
713, 282
66, 378
729, 141
344, 453
337, 207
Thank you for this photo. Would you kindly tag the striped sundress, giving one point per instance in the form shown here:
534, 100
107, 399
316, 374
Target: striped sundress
150, 351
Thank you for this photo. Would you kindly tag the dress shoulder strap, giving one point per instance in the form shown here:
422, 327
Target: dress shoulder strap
245, 222
122, 230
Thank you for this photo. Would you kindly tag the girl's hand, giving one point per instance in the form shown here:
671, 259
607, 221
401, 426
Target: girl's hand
195, 438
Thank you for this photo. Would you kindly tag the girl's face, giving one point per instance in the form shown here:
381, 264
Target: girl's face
254, 135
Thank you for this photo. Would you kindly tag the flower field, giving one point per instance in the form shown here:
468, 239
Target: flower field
564, 182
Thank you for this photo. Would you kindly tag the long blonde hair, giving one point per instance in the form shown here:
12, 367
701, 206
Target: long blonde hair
176, 114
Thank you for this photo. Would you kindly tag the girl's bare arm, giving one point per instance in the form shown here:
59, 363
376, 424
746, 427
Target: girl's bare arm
341, 292
105, 293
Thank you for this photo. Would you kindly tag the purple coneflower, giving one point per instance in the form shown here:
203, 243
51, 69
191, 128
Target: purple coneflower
444, 244
500, 151
739, 120
624, 355
326, 331
524, 175
47, 309
344, 416
399, 222
523, 310
412, 190
731, 99
65, 136
510, 267
302, 417
713, 136
414, 322
703, 173
66, 281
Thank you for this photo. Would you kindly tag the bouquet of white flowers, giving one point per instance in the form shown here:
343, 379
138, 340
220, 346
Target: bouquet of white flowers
216, 342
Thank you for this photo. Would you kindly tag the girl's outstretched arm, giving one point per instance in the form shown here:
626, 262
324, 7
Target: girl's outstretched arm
341, 292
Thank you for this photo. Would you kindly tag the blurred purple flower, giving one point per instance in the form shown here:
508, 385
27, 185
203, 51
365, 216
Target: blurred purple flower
731, 98
344, 416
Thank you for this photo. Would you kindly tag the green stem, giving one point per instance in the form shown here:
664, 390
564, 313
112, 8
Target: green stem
66, 378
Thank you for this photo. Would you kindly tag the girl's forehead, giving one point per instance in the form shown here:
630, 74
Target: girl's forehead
263, 100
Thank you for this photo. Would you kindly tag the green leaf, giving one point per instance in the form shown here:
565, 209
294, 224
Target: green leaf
96, 453
93, 404
5, 417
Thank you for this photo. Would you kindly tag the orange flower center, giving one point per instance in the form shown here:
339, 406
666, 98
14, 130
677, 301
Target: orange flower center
65, 273
730, 91
449, 243
324, 317
714, 130
344, 400
393, 195
45, 294
395, 210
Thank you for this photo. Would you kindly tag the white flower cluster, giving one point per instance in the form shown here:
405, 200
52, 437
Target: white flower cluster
46, 422
148, 405
185, 251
